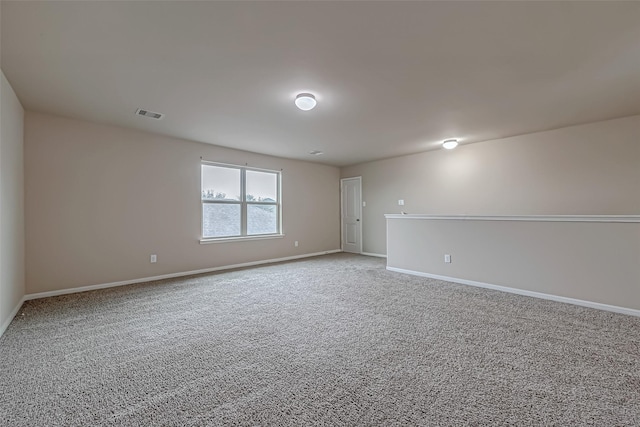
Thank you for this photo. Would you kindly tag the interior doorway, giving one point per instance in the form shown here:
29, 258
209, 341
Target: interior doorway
351, 214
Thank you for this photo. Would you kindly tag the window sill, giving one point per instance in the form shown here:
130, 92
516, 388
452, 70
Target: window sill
207, 241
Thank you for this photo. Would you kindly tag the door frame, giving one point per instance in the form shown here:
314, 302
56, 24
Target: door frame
342, 180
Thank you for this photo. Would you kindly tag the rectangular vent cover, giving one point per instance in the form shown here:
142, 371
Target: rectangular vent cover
148, 113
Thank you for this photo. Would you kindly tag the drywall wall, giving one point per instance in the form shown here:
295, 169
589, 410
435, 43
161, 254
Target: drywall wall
586, 169
589, 261
12, 282
100, 200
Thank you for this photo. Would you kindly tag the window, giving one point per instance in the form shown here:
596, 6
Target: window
239, 202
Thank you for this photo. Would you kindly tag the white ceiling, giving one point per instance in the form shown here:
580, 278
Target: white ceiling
391, 78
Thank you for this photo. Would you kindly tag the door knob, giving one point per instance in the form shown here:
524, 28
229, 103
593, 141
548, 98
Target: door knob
358, 219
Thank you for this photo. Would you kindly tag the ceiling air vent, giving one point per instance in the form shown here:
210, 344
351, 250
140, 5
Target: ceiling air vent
149, 114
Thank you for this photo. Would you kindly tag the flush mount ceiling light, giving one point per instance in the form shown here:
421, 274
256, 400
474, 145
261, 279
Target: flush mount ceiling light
450, 144
316, 152
305, 101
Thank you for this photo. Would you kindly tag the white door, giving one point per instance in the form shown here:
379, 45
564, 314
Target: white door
351, 189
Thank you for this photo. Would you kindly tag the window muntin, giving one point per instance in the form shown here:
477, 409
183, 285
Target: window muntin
239, 202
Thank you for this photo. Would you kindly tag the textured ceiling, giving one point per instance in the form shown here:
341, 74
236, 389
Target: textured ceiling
391, 78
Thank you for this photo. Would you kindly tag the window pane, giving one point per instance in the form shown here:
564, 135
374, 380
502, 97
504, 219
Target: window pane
220, 183
262, 186
262, 219
220, 220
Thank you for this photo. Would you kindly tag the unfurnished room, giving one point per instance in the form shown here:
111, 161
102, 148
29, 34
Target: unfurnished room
319, 213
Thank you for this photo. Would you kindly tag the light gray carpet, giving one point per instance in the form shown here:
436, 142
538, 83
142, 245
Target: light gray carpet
333, 340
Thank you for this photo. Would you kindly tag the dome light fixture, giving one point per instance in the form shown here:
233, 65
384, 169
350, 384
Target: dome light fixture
305, 101
450, 144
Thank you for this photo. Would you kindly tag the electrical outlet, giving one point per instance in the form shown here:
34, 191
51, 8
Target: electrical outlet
447, 258
154, 259
401, 202
295, 243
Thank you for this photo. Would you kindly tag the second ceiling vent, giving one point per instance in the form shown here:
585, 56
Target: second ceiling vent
149, 114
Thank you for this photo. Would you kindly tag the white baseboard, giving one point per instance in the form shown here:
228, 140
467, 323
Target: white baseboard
169, 276
590, 304
372, 254
9, 319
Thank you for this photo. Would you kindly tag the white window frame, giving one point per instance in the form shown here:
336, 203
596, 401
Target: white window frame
243, 205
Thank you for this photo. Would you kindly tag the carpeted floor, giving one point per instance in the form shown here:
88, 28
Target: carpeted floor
332, 340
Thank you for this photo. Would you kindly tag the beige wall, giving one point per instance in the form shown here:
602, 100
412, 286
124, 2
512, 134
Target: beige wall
590, 261
101, 199
586, 169
12, 286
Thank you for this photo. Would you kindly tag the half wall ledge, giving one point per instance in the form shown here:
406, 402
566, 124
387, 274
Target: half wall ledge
593, 259
548, 218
